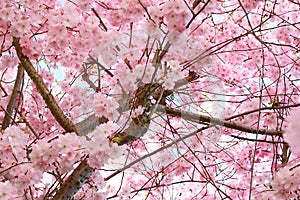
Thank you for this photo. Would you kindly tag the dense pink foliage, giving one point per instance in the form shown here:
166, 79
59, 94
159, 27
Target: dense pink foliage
94, 56
293, 131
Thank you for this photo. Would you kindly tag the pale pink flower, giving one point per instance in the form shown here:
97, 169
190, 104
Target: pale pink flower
169, 84
292, 132
104, 106
285, 182
7, 191
125, 192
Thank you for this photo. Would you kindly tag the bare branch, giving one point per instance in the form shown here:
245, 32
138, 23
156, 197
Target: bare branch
195, 15
215, 121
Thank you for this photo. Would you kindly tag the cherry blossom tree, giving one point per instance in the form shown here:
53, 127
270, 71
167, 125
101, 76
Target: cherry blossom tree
149, 99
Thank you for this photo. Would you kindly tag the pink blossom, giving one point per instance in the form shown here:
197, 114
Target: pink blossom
7, 191
291, 135
125, 192
285, 183
103, 106
21, 27
242, 55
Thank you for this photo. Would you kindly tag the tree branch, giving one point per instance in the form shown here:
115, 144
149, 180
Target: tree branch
195, 15
43, 90
100, 20
94, 61
195, 118
207, 119
90, 123
81, 174
85, 77
13, 98
74, 182
260, 109
257, 140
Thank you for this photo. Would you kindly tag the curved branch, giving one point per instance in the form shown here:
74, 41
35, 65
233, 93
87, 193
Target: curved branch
81, 174
43, 90
13, 98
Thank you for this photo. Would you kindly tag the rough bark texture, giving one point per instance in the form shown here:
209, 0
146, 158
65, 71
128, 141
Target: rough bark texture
74, 182
13, 98
58, 114
81, 174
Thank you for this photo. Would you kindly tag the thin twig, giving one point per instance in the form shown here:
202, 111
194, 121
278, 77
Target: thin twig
194, 16
100, 65
154, 152
100, 20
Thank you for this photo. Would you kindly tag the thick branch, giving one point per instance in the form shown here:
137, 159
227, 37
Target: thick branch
43, 90
83, 171
140, 124
74, 182
215, 121
13, 98
81, 174
89, 124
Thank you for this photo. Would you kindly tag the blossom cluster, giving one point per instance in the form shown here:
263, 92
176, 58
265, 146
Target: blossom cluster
103, 106
98, 146
292, 132
244, 53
